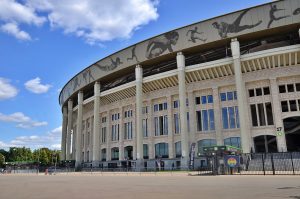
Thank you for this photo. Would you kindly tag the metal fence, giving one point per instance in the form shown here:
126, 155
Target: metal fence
269, 164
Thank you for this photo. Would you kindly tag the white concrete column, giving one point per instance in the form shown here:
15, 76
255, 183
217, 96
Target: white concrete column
69, 130
64, 132
151, 131
139, 118
192, 114
79, 129
182, 109
281, 142
108, 137
241, 96
121, 135
96, 123
217, 114
170, 127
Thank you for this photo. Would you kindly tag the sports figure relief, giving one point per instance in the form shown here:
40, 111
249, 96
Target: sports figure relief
114, 64
272, 12
159, 45
224, 28
194, 35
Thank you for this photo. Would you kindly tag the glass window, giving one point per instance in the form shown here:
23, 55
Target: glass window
231, 117
115, 153
197, 100
223, 97
187, 102
175, 104
203, 99
225, 118
299, 104
229, 96
205, 120
165, 125
160, 107
145, 151
251, 92
210, 99
161, 150
199, 121
258, 92
178, 149
266, 91
284, 106
155, 107
211, 119
293, 105
269, 113
188, 121
176, 123
253, 115
234, 95
282, 89
261, 114
233, 141
145, 127
103, 154
290, 88
165, 106
237, 117
205, 143
156, 126
298, 87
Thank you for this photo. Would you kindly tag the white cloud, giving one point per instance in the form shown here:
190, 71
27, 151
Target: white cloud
22, 120
13, 13
50, 140
6, 89
35, 86
13, 29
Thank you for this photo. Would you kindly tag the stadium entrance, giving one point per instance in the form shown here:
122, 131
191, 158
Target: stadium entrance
265, 144
292, 133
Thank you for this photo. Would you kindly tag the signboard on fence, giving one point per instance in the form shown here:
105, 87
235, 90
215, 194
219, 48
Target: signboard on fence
192, 154
232, 161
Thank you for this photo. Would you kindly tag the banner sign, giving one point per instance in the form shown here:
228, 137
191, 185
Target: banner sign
279, 131
192, 154
232, 161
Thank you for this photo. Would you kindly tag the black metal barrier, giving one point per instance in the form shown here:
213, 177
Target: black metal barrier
266, 164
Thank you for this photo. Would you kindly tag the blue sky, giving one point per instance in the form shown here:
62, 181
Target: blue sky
45, 43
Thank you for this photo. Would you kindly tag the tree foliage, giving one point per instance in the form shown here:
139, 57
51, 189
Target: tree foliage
45, 156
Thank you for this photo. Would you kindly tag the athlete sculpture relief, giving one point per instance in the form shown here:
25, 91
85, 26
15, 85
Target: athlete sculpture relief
235, 27
87, 75
133, 55
159, 45
112, 66
193, 35
272, 15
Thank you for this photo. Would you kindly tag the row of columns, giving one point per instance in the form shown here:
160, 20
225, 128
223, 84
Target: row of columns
242, 105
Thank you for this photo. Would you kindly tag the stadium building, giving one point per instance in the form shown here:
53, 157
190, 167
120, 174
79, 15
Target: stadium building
230, 80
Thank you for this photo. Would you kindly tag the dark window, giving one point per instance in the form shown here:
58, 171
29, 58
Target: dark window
299, 104
230, 95
203, 99
269, 113
235, 95
197, 100
210, 99
253, 115
298, 87
258, 92
293, 105
251, 92
284, 106
261, 114
199, 120
290, 88
282, 89
266, 91
223, 96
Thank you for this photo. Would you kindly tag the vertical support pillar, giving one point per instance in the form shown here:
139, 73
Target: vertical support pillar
69, 130
138, 115
96, 123
241, 96
182, 108
79, 130
217, 114
192, 115
281, 142
108, 141
151, 131
64, 133
121, 135
170, 127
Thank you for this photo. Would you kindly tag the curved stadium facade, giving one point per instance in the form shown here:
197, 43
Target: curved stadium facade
231, 80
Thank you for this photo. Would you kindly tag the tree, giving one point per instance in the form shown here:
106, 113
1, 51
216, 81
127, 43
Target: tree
2, 160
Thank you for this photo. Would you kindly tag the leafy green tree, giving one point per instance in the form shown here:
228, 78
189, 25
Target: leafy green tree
2, 160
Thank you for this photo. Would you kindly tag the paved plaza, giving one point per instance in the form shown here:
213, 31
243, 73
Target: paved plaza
80, 186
